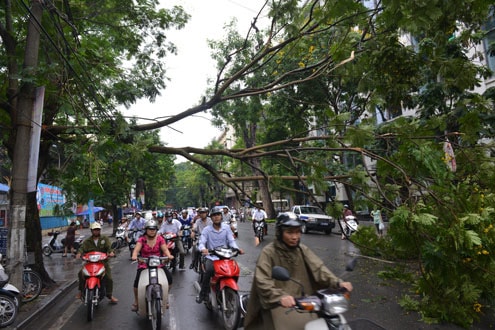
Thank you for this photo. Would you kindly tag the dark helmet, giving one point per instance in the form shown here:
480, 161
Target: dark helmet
216, 210
287, 219
151, 224
168, 214
202, 209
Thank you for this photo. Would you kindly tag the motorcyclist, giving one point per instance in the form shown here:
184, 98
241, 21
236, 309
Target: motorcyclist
150, 244
199, 225
137, 223
213, 236
347, 212
259, 215
99, 243
159, 218
185, 218
269, 299
228, 219
171, 225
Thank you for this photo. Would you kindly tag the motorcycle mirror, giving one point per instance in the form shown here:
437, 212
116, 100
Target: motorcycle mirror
280, 273
351, 265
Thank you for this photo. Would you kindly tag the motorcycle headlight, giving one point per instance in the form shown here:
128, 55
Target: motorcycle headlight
335, 304
154, 262
94, 258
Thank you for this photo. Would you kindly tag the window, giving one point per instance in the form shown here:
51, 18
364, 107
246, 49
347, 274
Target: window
489, 41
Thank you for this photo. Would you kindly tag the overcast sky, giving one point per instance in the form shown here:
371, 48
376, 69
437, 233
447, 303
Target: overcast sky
191, 68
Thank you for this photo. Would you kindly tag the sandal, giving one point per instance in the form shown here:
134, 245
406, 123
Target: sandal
134, 308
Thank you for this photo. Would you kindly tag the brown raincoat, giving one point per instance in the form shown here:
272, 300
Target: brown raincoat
303, 265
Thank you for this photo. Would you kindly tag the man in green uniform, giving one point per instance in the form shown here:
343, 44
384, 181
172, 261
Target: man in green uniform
99, 243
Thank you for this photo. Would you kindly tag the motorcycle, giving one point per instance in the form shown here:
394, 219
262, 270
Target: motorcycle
350, 225
133, 237
9, 301
56, 246
94, 274
233, 226
153, 290
224, 290
196, 256
329, 304
120, 240
186, 238
259, 228
170, 240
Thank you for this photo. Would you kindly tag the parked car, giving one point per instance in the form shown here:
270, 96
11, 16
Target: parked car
314, 218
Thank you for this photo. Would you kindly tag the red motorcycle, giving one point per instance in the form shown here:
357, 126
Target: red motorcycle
170, 239
94, 287
224, 291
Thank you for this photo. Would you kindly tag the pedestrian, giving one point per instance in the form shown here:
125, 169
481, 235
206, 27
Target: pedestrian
378, 221
109, 219
270, 299
100, 243
70, 238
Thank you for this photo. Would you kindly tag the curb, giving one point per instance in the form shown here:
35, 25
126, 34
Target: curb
47, 303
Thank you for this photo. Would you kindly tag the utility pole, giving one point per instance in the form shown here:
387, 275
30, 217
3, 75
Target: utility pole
21, 186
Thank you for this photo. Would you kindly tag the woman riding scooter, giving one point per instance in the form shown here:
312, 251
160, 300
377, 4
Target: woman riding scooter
150, 244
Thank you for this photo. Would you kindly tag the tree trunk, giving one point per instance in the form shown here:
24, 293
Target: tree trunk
23, 204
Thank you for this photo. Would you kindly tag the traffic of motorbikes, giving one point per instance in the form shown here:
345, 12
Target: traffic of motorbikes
223, 295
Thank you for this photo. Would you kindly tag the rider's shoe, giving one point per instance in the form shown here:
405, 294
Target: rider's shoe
199, 300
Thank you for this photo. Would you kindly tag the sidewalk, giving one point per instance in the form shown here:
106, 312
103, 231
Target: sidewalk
63, 270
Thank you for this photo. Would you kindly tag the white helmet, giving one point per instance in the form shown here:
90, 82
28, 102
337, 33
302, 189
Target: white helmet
148, 216
95, 225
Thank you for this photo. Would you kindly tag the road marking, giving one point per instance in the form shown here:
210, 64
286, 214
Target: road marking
171, 312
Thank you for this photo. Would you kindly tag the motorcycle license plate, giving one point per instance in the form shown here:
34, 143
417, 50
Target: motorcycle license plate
324, 224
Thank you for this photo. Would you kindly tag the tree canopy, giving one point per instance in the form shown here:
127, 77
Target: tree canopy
316, 96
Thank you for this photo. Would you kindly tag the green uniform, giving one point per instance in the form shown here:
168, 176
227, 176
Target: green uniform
102, 245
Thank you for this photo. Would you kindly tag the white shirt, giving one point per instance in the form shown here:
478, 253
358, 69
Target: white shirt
172, 227
259, 215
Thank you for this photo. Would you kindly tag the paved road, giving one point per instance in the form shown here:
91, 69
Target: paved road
372, 298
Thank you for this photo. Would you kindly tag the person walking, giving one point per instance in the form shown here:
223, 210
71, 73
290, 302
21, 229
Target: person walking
378, 221
70, 238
